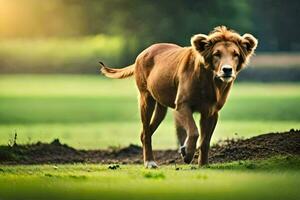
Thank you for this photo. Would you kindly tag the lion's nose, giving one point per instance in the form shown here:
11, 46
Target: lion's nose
227, 69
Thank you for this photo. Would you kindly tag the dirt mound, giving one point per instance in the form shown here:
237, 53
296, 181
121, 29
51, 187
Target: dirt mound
259, 147
262, 146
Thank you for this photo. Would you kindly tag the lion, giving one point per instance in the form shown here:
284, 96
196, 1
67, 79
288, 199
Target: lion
190, 79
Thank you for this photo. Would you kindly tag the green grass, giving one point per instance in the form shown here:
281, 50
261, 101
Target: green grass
105, 134
134, 182
93, 112
274, 164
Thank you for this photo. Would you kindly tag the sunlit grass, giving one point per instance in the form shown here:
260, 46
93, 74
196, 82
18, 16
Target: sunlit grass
106, 134
88, 85
92, 112
69, 99
83, 181
65, 86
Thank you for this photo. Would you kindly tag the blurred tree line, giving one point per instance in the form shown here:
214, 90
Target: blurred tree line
143, 22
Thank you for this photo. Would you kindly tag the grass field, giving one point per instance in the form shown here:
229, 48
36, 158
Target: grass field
270, 179
92, 112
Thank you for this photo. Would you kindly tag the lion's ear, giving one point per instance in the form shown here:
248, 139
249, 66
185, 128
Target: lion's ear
249, 42
199, 42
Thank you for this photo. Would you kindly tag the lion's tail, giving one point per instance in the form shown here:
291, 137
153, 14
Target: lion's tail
117, 73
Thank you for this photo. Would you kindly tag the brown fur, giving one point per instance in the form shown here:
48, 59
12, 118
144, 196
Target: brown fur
188, 79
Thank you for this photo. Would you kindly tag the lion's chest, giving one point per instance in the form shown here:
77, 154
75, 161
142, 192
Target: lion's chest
206, 101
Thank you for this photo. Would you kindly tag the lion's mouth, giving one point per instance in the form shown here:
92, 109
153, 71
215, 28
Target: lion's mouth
226, 77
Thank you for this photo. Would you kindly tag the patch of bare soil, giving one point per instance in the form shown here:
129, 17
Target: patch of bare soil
259, 147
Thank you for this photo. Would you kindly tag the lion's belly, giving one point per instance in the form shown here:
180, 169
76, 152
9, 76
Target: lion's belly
162, 89
166, 99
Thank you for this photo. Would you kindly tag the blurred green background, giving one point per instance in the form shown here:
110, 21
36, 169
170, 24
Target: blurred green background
49, 53
62, 36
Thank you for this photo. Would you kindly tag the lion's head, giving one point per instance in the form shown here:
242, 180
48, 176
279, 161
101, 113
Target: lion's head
225, 52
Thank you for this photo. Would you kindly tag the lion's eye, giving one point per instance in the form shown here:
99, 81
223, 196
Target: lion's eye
217, 55
236, 55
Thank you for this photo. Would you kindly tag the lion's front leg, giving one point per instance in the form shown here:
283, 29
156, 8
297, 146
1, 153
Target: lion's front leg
184, 116
207, 124
180, 130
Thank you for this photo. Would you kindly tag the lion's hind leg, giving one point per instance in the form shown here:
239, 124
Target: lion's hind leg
147, 105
